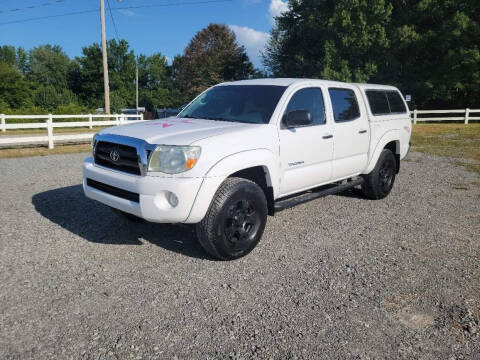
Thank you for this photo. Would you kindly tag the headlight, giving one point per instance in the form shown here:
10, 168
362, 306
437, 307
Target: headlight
173, 159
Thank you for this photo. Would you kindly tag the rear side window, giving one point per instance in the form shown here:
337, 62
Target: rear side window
309, 99
378, 102
396, 103
383, 102
344, 103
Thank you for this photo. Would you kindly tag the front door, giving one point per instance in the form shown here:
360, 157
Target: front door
306, 152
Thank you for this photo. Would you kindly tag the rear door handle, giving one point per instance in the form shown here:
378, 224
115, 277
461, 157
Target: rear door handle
327, 136
362, 131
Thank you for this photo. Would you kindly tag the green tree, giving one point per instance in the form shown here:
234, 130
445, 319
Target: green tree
429, 48
155, 82
49, 98
212, 56
435, 52
15, 90
86, 75
121, 66
49, 65
7, 55
339, 40
22, 61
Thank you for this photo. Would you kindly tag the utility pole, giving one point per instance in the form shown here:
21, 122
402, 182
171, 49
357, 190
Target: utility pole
136, 86
105, 63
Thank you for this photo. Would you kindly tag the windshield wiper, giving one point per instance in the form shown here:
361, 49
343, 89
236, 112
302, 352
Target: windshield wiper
214, 118
217, 118
200, 117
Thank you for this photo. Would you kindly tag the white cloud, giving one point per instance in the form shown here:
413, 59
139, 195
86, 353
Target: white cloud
276, 8
253, 40
126, 12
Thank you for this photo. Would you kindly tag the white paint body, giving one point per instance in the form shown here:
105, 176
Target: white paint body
228, 147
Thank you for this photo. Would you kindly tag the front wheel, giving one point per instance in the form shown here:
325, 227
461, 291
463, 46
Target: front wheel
235, 221
379, 182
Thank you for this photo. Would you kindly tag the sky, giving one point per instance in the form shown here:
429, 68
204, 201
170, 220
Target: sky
166, 28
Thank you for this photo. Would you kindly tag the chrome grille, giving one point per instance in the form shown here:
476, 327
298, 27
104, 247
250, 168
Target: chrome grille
117, 156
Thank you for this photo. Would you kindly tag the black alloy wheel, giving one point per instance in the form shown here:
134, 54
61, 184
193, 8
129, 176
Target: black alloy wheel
386, 175
235, 221
241, 224
379, 182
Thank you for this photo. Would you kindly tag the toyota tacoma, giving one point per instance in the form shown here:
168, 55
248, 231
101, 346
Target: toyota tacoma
241, 149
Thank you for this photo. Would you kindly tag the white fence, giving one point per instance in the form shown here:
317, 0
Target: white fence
117, 119
50, 125
465, 115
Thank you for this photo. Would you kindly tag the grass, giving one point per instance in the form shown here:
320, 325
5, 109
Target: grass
43, 151
459, 141
55, 131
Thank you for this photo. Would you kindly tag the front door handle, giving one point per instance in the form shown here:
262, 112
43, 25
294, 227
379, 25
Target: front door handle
362, 131
327, 136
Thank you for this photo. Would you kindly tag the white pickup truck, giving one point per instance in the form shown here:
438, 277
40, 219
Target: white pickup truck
240, 148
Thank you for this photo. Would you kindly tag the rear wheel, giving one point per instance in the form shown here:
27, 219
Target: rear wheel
379, 182
235, 221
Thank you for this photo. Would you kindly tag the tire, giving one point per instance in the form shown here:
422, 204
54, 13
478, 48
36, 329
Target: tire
235, 221
129, 217
379, 182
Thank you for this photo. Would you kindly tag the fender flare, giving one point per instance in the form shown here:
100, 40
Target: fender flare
244, 160
226, 167
389, 136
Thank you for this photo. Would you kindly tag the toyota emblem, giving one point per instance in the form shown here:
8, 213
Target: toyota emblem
114, 155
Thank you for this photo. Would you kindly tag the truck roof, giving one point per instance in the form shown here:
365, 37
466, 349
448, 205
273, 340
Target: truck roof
365, 86
276, 81
291, 81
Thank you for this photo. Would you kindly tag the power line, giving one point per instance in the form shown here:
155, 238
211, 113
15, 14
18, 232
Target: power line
32, 6
49, 17
113, 8
171, 4
113, 20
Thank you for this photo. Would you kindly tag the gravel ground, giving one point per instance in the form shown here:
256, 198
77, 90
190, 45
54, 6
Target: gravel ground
337, 278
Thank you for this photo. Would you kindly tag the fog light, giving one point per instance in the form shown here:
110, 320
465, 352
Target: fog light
172, 199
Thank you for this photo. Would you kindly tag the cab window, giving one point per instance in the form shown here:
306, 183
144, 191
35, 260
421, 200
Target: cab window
311, 100
396, 103
385, 102
344, 104
377, 99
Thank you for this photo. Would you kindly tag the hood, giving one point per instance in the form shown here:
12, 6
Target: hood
175, 131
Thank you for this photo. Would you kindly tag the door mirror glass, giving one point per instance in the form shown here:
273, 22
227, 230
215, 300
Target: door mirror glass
298, 118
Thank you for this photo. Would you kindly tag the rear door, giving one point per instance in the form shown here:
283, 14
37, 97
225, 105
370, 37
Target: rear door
351, 132
306, 152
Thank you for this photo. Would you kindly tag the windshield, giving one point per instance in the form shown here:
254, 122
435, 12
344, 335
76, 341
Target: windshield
237, 103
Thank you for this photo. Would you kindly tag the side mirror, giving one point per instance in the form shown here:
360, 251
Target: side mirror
298, 118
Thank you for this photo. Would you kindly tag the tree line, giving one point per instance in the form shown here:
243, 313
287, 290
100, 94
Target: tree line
44, 79
428, 48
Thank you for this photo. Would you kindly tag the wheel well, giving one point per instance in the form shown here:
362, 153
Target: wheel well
394, 147
259, 175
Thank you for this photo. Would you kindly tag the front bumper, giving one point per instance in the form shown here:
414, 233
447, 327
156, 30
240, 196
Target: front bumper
153, 204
